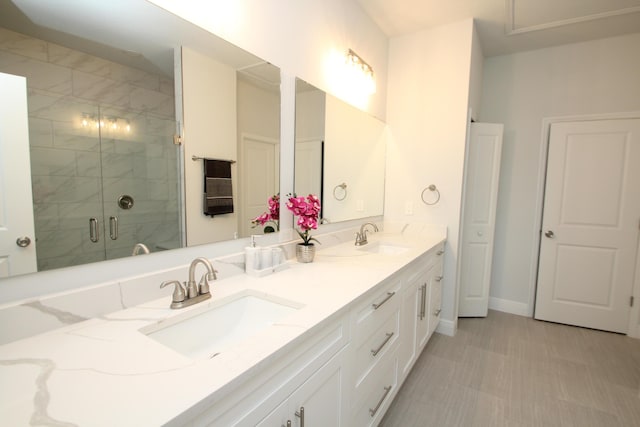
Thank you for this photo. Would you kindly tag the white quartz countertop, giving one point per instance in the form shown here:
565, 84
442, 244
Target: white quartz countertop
105, 372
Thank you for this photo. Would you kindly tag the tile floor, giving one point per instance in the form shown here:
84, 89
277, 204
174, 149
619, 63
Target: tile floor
508, 370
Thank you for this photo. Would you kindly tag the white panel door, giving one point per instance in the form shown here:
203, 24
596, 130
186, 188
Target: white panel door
479, 218
16, 207
308, 173
260, 177
590, 224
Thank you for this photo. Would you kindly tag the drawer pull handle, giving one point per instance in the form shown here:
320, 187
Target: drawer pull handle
440, 252
423, 301
386, 340
437, 312
301, 416
378, 305
373, 411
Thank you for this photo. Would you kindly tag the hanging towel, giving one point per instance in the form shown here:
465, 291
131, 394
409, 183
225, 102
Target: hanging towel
218, 195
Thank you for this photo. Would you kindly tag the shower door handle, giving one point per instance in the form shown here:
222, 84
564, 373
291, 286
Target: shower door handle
113, 227
94, 234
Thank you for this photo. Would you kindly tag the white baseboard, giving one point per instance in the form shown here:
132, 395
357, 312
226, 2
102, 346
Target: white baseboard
446, 327
508, 306
635, 333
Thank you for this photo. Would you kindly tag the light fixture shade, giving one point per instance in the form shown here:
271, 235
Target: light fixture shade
106, 123
360, 72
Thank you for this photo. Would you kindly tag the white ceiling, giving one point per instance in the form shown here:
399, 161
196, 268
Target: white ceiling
504, 26
507, 26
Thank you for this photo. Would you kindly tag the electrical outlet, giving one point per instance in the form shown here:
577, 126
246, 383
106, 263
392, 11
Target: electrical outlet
408, 208
360, 205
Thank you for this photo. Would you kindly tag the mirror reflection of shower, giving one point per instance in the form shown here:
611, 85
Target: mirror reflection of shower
88, 170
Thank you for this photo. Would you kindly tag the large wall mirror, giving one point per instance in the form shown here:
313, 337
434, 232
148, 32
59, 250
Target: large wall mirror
339, 155
105, 172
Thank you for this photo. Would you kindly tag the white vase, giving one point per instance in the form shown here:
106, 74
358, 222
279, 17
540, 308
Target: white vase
305, 253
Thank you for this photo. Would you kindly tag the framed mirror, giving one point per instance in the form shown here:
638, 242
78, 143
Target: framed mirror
339, 155
103, 112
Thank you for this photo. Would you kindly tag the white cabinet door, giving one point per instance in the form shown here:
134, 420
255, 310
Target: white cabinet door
317, 402
408, 326
422, 296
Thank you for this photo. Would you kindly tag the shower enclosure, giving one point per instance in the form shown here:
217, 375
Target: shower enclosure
104, 179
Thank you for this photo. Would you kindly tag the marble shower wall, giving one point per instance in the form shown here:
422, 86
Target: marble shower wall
75, 166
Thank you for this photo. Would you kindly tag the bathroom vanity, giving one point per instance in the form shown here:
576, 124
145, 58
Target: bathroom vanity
322, 344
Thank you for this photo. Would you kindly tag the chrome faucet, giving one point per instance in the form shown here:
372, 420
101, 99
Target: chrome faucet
192, 288
361, 236
140, 247
191, 293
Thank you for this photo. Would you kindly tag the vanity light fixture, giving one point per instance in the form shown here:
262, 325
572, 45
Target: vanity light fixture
112, 124
360, 67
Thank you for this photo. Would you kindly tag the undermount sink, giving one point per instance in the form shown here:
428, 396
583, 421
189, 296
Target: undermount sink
350, 250
204, 333
384, 248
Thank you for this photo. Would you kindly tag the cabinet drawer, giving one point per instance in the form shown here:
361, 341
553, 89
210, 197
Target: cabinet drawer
376, 394
376, 346
376, 310
435, 255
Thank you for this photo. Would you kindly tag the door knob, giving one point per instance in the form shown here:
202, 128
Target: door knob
23, 242
549, 234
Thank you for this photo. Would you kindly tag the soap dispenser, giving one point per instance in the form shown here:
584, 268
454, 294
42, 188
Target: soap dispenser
252, 256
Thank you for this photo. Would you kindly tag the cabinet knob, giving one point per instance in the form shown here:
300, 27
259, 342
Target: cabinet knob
439, 278
440, 252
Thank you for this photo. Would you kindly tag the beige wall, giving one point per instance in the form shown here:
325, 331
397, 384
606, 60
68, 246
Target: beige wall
210, 130
354, 153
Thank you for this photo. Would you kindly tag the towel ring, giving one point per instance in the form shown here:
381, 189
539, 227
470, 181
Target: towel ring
344, 189
434, 189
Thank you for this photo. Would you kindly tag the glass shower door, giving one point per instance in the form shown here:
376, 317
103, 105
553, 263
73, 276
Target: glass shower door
67, 191
139, 182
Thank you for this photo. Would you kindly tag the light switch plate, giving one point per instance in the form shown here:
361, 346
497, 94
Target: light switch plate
408, 208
